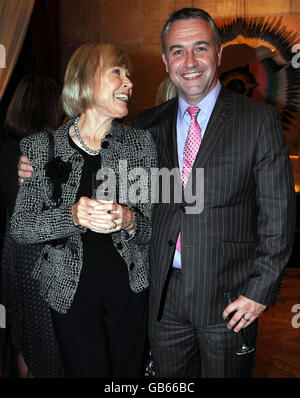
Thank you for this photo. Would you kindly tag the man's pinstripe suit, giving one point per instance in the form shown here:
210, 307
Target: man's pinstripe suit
242, 240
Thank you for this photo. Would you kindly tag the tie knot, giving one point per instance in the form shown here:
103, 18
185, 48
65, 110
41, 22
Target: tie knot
193, 111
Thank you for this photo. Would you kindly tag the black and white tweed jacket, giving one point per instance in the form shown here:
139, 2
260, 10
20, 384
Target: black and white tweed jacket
59, 266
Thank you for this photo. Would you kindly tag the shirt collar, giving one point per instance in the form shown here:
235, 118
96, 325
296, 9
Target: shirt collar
206, 104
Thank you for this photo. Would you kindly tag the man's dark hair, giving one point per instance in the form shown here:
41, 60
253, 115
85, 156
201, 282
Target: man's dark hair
189, 13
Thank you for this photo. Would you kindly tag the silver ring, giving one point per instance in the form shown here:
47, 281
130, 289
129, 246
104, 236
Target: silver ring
245, 319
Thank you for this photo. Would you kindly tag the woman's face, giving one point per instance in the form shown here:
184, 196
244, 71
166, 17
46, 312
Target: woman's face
112, 92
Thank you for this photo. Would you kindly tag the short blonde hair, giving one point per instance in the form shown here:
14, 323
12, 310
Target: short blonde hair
78, 91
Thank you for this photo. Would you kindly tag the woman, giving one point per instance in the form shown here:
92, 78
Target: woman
94, 270
35, 106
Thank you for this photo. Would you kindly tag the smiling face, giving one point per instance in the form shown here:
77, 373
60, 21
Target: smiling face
112, 90
191, 58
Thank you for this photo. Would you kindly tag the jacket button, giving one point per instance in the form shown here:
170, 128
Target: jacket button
105, 144
131, 266
171, 243
119, 246
45, 255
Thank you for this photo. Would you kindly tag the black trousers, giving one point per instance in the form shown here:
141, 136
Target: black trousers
104, 332
182, 349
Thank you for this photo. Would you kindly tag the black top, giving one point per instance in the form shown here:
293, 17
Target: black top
99, 252
9, 156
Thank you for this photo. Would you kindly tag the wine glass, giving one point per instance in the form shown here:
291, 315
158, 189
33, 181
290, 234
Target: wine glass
245, 347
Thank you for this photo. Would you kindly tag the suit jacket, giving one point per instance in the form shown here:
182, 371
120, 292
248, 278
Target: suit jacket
242, 239
34, 221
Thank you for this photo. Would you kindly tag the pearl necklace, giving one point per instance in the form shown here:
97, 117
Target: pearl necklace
83, 144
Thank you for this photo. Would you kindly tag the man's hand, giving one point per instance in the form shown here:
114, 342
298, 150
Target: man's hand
246, 312
24, 168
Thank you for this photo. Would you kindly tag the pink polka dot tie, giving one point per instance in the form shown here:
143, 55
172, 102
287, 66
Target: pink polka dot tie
190, 151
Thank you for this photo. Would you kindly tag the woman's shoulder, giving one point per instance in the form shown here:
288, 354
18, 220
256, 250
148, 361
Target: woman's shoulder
38, 143
35, 141
139, 144
137, 135
35, 147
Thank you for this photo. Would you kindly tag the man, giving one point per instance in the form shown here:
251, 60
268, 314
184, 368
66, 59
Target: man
241, 239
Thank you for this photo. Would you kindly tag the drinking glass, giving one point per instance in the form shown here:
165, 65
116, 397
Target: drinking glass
245, 348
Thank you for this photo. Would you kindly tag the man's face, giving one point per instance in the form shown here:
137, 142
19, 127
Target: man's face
191, 58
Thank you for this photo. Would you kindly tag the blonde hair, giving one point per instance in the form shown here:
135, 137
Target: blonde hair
165, 91
87, 60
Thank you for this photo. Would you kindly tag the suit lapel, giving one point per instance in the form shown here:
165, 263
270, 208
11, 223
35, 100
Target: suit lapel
214, 130
167, 133
168, 140
167, 144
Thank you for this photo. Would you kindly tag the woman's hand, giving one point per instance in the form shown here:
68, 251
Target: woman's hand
82, 211
111, 217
